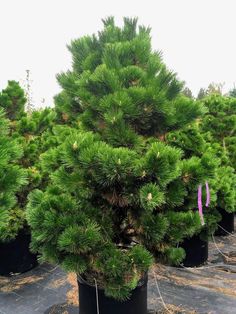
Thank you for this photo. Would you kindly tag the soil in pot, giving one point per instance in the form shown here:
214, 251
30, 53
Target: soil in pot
196, 251
15, 256
226, 224
136, 304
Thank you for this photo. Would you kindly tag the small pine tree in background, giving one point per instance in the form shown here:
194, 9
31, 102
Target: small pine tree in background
204, 141
200, 166
112, 196
12, 178
35, 133
187, 92
32, 132
12, 100
232, 92
220, 123
219, 128
202, 93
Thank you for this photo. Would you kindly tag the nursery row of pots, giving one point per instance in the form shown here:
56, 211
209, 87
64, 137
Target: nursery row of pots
16, 256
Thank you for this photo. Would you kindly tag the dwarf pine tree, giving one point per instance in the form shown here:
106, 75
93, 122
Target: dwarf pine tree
232, 92
220, 123
219, 128
211, 166
13, 100
32, 132
199, 167
109, 202
12, 177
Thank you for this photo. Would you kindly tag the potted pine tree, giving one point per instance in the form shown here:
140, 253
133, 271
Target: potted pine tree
103, 209
32, 134
14, 247
199, 181
219, 126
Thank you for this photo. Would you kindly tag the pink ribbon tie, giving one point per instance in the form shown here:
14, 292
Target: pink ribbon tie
200, 204
208, 195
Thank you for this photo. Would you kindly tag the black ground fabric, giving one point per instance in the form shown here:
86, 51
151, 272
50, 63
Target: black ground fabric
208, 289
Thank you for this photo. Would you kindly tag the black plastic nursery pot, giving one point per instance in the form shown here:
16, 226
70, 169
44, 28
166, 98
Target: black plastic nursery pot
136, 304
15, 256
226, 224
196, 251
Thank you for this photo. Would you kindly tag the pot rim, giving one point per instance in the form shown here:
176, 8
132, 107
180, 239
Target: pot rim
141, 281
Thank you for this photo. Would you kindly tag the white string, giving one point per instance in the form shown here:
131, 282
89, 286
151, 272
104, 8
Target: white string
230, 234
204, 267
96, 286
159, 292
211, 266
187, 268
213, 238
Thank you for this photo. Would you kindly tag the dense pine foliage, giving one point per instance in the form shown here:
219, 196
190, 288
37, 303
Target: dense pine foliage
219, 128
12, 178
12, 100
110, 202
220, 124
31, 135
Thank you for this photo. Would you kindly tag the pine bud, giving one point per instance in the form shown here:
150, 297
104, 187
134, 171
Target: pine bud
119, 161
33, 170
75, 145
186, 177
158, 154
149, 197
144, 174
65, 116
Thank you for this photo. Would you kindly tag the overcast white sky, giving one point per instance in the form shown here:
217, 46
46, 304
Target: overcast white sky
197, 37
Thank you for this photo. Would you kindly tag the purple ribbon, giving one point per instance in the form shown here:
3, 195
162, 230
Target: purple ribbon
199, 201
208, 195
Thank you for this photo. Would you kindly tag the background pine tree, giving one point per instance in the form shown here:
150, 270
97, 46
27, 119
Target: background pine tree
12, 178
32, 133
200, 166
219, 128
220, 123
13, 100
